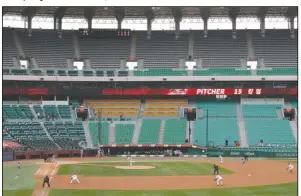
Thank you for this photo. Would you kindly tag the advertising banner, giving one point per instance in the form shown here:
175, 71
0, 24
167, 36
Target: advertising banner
8, 156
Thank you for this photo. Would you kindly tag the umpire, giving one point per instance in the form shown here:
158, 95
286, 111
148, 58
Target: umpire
246, 158
46, 180
216, 170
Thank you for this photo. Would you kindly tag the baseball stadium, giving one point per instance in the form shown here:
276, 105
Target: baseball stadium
152, 101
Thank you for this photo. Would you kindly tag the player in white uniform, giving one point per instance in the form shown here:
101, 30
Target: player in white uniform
74, 178
221, 159
290, 168
219, 180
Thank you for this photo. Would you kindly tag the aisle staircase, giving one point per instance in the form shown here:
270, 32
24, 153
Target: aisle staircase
161, 135
112, 133
137, 131
241, 126
48, 134
294, 127
87, 134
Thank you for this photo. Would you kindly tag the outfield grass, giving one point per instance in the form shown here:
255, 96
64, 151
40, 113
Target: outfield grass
24, 181
161, 169
274, 190
22, 192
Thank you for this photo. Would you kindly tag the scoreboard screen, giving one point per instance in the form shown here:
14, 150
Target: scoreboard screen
105, 33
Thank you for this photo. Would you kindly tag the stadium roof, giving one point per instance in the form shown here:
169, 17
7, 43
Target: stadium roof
157, 12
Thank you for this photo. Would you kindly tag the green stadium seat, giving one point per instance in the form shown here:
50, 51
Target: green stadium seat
222, 72
175, 131
277, 71
124, 133
160, 72
150, 130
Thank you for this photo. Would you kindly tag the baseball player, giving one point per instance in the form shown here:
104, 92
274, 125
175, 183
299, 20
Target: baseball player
219, 180
216, 169
53, 158
243, 160
74, 178
18, 170
131, 161
98, 153
221, 159
290, 168
46, 180
81, 153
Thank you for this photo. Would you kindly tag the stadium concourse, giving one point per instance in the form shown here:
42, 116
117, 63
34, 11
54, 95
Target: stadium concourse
177, 92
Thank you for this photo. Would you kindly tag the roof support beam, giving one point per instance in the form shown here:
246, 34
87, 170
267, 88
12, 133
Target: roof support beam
233, 13
119, 14
59, 12
29, 13
205, 13
262, 12
177, 14
148, 11
292, 12
89, 13
57, 19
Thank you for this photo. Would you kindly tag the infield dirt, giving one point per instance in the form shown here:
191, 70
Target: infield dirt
254, 173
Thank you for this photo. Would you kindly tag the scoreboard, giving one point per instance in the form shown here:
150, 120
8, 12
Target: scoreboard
105, 33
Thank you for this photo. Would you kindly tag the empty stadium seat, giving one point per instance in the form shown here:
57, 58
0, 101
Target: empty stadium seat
218, 131
260, 110
175, 131
150, 130
277, 71
222, 72
277, 48
124, 133
101, 133
219, 49
162, 50
218, 109
270, 130
161, 72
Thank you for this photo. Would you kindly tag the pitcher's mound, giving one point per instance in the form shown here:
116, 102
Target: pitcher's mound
135, 167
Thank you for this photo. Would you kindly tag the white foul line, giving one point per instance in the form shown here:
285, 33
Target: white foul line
53, 170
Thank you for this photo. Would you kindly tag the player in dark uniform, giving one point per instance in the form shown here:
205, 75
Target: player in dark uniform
246, 158
46, 180
216, 169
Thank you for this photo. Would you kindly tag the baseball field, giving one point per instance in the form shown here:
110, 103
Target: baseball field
150, 177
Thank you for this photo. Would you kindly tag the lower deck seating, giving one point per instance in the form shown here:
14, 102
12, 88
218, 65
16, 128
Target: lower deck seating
260, 110
64, 111
163, 108
269, 130
115, 108
277, 71
160, 72
175, 131
124, 133
51, 110
17, 112
150, 130
97, 133
218, 109
222, 72
218, 131
30, 134
66, 134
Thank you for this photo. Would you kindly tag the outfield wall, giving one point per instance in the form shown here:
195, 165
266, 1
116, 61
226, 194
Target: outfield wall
157, 150
250, 153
